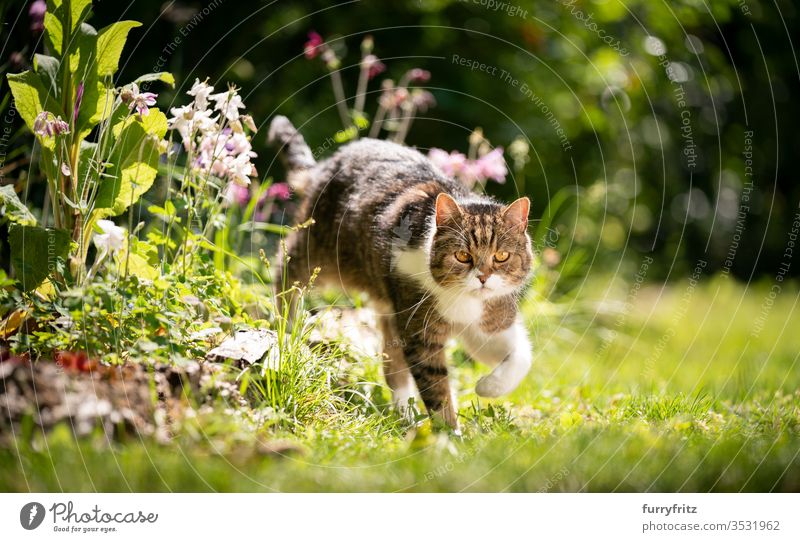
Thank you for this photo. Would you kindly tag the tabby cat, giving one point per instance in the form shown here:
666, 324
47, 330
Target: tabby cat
437, 261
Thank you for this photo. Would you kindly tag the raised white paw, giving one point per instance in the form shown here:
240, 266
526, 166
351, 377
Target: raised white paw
491, 386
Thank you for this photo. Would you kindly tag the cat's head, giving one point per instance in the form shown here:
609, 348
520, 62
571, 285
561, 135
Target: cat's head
481, 248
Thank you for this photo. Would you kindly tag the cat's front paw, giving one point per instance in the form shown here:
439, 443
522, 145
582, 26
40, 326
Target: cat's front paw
491, 386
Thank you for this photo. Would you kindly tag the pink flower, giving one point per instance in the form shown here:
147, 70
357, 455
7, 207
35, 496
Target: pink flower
279, 191
312, 46
422, 99
139, 100
43, 126
418, 75
451, 164
373, 65
492, 165
36, 13
236, 193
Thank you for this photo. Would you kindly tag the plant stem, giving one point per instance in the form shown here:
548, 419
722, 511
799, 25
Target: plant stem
378, 120
361, 90
406, 124
341, 101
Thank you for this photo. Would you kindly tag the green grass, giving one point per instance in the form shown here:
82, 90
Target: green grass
684, 390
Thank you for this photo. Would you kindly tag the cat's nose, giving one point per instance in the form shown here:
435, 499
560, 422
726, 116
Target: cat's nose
484, 277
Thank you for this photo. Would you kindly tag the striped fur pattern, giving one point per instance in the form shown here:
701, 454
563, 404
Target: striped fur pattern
436, 260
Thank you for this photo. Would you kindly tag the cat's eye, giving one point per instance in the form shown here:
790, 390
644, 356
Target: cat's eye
501, 256
463, 256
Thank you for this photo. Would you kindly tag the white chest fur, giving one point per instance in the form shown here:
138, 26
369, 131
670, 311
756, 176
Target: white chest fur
454, 304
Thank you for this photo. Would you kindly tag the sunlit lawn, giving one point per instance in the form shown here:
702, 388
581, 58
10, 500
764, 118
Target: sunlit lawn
686, 391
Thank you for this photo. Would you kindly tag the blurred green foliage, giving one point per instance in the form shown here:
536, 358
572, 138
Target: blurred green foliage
621, 107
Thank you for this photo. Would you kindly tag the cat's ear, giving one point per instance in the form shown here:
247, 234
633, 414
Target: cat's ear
516, 215
446, 209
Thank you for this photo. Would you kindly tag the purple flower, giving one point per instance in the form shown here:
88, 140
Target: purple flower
78, 99
36, 13
280, 191
140, 100
43, 126
312, 46
492, 165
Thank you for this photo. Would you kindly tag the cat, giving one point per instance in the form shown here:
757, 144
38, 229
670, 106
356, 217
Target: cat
436, 260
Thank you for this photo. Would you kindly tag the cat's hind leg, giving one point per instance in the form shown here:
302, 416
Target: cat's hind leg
511, 353
427, 364
395, 369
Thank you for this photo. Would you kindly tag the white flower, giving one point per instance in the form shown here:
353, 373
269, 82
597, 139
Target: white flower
240, 170
201, 91
111, 240
229, 103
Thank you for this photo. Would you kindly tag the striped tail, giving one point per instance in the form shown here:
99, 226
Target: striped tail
294, 151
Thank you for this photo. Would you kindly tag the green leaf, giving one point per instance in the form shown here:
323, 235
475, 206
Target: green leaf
87, 164
12, 209
110, 42
53, 32
97, 102
83, 53
97, 105
47, 69
142, 260
134, 162
56, 16
31, 98
37, 253
164, 77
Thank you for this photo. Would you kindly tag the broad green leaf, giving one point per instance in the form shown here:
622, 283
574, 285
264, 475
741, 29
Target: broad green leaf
97, 105
164, 77
47, 69
83, 53
142, 260
12, 209
37, 253
53, 32
110, 42
56, 16
134, 162
31, 98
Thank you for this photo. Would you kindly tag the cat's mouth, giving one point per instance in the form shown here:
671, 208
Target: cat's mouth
482, 291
